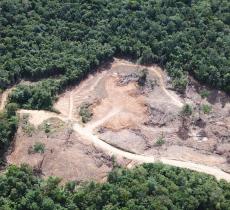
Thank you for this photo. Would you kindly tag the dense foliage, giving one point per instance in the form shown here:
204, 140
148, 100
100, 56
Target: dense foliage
150, 186
67, 39
8, 126
40, 96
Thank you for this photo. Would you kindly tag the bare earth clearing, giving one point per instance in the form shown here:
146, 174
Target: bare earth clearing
128, 121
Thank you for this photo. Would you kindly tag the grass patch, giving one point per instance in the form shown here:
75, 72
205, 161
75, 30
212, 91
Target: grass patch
51, 126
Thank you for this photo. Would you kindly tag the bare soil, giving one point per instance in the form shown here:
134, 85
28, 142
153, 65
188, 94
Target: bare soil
128, 121
66, 154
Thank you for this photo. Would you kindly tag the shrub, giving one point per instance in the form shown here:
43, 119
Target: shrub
180, 84
85, 112
11, 109
204, 93
187, 110
160, 141
206, 108
8, 127
38, 148
47, 128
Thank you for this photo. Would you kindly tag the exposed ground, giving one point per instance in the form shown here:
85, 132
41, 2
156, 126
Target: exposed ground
66, 155
133, 123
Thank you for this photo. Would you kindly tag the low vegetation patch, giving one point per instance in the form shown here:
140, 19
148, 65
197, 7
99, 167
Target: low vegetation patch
204, 93
187, 110
85, 112
27, 128
38, 147
160, 141
206, 108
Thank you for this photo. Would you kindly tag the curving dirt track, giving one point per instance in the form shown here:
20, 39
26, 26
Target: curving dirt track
87, 134
87, 131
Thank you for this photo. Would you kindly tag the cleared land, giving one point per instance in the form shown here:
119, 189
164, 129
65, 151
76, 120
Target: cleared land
132, 122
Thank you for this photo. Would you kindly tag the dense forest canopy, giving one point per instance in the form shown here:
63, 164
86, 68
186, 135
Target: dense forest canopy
59, 42
8, 127
67, 39
150, 186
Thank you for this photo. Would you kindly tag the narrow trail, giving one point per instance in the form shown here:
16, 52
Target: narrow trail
79, 93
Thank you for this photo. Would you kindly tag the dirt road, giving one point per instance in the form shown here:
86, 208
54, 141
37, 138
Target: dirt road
87, 133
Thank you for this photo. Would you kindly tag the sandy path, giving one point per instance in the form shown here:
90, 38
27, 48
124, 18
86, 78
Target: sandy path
175, 100
83, 92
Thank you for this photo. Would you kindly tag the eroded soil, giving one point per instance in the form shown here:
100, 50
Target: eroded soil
129, 121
